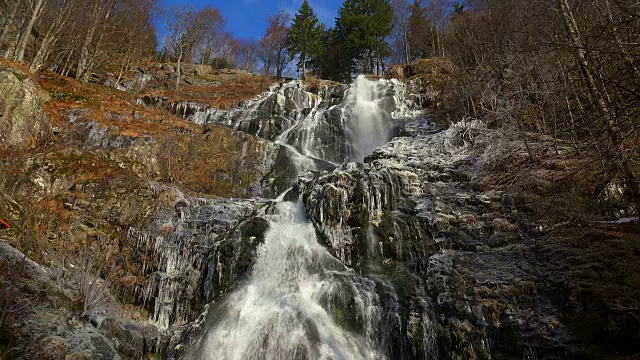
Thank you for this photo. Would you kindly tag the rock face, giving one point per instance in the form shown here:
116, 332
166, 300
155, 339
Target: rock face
23, 123
409, 219
408, 255
192, 253
319, 124
216, 161
41, 333
192, 74
425, 78
421, 67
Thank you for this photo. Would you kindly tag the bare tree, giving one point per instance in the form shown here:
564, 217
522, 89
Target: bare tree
400, 32
57, 17
101, 11
35, 7
612, 122
11, 11
184, 30
137, 31
213, 35
247, 56
437, 11
273, 45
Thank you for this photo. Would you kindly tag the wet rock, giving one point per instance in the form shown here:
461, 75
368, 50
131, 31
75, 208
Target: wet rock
409, 200
131, 339
185, 260
268, 128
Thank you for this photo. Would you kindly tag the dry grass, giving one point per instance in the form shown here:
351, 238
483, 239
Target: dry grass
224, 96
108, 107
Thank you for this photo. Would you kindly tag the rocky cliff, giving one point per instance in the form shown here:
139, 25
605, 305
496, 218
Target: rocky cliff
139, 217
23, 123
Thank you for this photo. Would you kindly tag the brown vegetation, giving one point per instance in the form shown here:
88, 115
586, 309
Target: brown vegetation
223, 96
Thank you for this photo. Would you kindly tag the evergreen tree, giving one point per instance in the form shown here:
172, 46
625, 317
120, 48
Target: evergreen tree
363, 26
304, 38
419, 31
333, 61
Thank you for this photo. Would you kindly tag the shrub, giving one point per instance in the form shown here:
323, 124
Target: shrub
94, 292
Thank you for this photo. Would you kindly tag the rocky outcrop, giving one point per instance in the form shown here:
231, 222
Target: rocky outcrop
410, 219
196, 74
318, 122
37, 332
426, 80
179, 252
23, 123
429, 67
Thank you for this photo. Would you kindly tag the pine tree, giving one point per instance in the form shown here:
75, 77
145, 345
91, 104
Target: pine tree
304, 38
364, 25
419, 30
334, 60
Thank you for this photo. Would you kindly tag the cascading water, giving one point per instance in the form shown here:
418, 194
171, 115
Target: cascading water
292, 306
370, 125
338, 125
382, 250
353, 128
300, 301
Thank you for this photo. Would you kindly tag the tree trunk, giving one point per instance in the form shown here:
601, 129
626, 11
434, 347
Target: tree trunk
84, 51
9, 22
371, 66
407, 50
581, 57
617, 153
24, 38
206, 55
625, 54
303, 58
178, 69
92, 55
124, 67
40, 57
47, 42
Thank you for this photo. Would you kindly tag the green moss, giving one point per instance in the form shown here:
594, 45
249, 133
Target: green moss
339, 316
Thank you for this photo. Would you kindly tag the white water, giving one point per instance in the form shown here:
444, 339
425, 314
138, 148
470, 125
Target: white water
370, 124
300, 301
288, 310
366, 124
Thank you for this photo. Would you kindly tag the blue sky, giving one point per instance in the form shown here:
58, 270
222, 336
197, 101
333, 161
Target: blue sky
246, 19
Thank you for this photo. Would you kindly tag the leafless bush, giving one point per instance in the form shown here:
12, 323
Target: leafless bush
465, 132
94, 292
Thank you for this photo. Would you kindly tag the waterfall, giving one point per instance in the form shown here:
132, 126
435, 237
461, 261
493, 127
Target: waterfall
369, 123
340, 124
294, 305
300, 301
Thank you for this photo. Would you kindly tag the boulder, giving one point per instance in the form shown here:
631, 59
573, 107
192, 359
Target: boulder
23, 123
396, 72
431, 66
129, 337
437, 66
